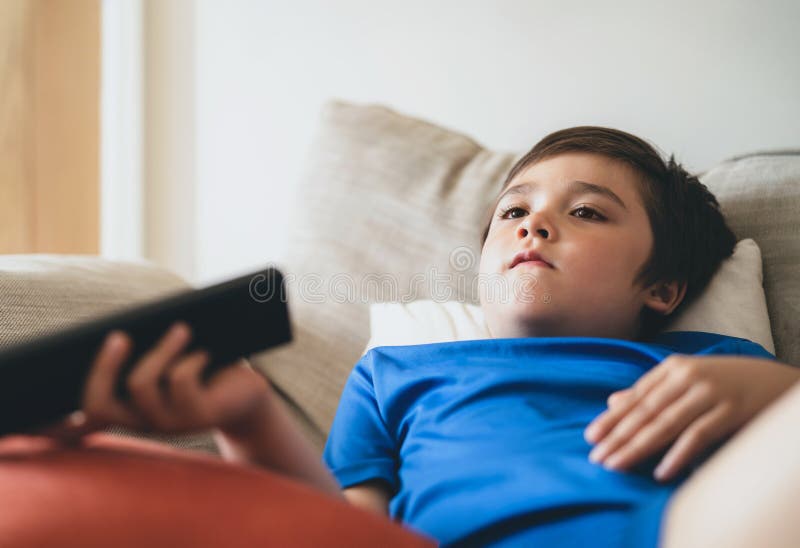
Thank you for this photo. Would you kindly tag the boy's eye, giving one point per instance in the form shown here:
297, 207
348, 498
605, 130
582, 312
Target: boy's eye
509, 212
591, 212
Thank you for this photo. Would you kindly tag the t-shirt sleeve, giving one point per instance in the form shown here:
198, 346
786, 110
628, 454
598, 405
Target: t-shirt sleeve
359, 446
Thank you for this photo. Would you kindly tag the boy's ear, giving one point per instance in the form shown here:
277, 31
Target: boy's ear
664, 297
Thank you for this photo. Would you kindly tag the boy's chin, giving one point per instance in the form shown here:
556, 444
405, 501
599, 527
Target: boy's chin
522, 320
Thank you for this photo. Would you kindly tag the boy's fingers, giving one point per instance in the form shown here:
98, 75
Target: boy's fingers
185, 386
625, 401
661, 431
701, 434
650, 379
605, 421
99, 403
144, 383
229, 394
618, 397
638, 414
153, 363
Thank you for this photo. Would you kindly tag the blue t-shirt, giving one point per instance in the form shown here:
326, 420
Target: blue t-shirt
482, 441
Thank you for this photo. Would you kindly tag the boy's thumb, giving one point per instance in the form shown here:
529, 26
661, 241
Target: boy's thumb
70, 430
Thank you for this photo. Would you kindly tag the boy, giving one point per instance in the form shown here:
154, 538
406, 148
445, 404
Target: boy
488, 442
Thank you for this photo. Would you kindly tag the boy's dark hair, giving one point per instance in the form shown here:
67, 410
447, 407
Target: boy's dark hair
691, 236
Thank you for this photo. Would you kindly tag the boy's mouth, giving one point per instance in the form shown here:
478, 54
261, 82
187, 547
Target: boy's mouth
529, 256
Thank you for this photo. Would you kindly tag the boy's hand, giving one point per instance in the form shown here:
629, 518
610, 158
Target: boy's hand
687, 401
165, 387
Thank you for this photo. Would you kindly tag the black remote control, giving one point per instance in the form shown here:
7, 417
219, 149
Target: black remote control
42, 379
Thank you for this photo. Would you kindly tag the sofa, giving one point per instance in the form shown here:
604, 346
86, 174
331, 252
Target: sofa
389, 195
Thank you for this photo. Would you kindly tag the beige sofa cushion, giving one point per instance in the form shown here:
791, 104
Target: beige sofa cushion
402, 199
760, 196
40, 293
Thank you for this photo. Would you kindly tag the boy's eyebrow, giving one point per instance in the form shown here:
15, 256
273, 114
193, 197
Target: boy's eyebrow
573, 187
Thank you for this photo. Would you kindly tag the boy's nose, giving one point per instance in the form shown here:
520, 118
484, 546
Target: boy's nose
524, 230
538, 223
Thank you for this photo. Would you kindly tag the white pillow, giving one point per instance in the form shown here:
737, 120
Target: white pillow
733, 304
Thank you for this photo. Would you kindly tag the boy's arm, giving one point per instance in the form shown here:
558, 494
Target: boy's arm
167, 394
371, 495
689, 402
269, 437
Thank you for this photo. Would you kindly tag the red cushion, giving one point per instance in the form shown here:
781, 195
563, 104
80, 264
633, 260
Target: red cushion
114, 491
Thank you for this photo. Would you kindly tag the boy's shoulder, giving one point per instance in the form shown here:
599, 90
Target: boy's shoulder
703, 342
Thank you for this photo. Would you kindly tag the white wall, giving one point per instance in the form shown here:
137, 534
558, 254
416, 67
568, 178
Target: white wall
703, 80
121, 121
172, 122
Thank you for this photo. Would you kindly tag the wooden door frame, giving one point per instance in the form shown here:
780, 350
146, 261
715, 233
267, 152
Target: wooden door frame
50, 126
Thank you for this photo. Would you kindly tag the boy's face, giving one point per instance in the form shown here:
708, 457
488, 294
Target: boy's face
595, 252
